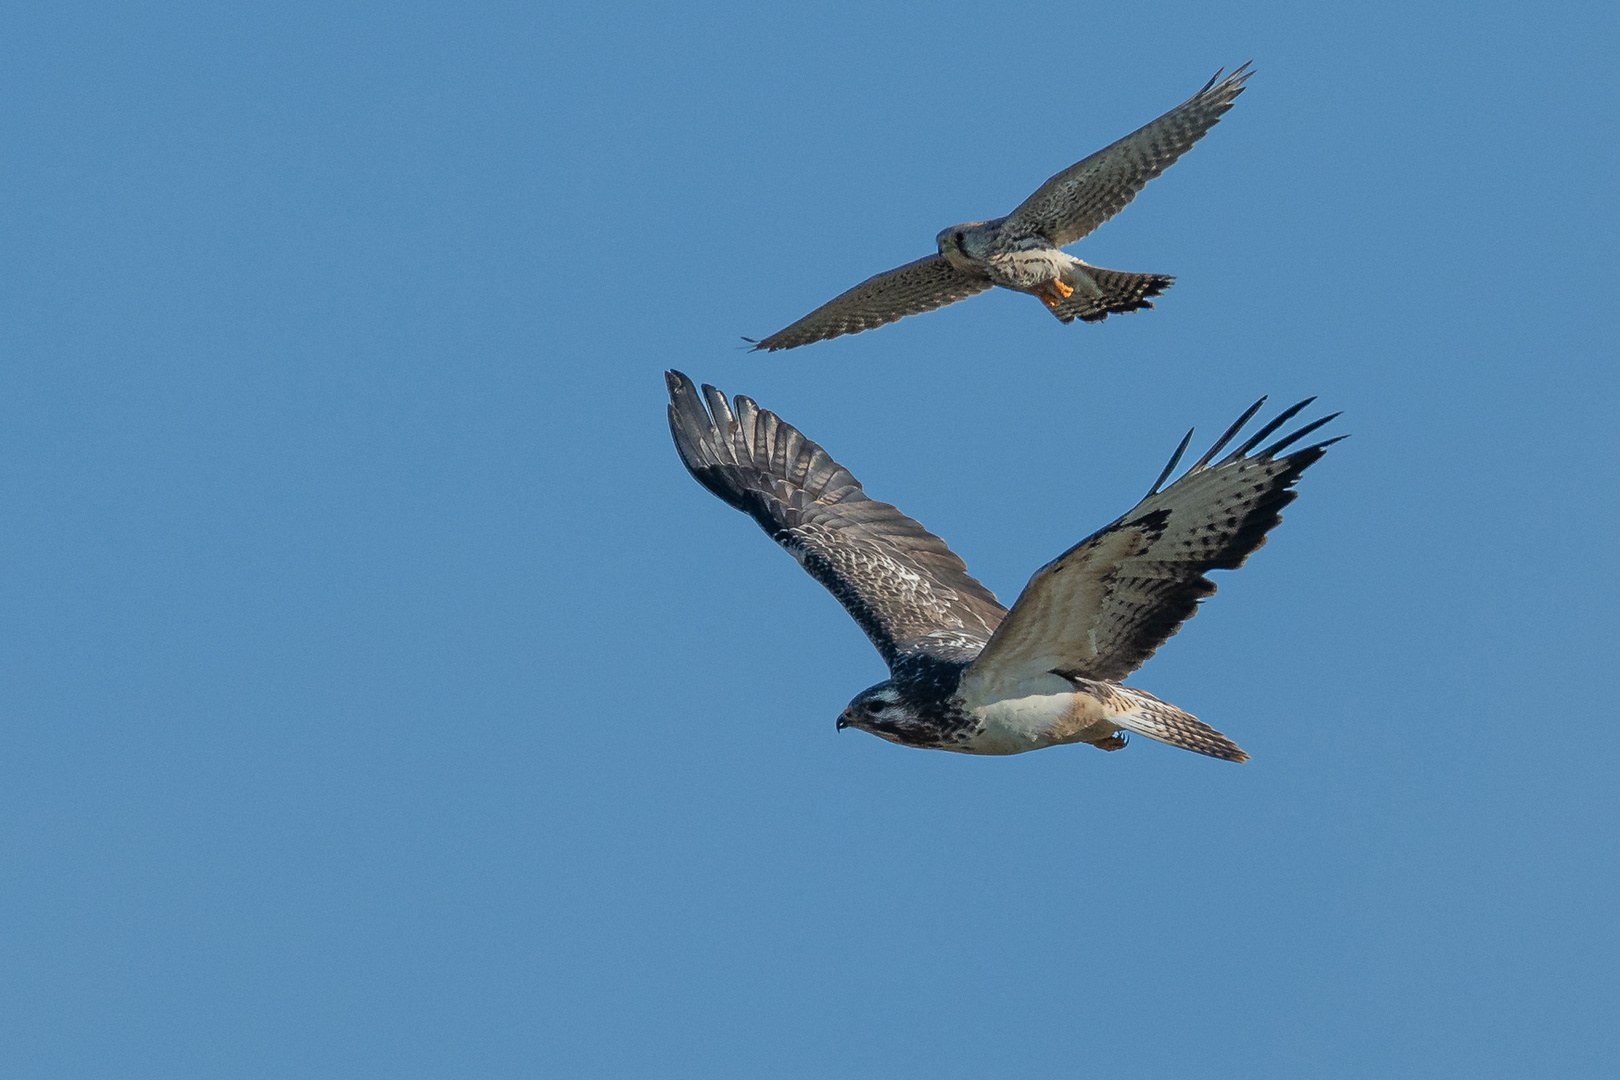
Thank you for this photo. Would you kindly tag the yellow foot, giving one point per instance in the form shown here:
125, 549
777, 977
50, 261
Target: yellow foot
1055, 292
1116, 741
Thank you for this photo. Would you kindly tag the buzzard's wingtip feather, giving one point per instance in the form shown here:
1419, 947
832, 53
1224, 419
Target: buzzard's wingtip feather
1231, 433
1278, 421
1284, 443
691, 425
1175, 459
1322, 446
677, 382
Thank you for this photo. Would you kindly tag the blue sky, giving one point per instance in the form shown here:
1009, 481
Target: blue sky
381, 698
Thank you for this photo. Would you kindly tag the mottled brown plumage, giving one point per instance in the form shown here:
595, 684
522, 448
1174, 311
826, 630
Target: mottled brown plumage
966, 674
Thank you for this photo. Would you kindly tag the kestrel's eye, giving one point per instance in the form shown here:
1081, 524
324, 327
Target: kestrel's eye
958, 238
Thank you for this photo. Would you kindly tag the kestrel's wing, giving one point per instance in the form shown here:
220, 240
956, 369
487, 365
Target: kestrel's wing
1103, 607
1086, 194
906, 290
908, 591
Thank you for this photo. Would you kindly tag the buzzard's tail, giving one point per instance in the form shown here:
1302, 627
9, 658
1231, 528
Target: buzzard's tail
1099, 293
1147, 715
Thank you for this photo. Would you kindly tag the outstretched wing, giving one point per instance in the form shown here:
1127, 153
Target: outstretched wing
906, 290
1103, 607
908, 591
1086, 194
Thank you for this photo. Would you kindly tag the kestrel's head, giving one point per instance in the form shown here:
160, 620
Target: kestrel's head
881, 710
959, 243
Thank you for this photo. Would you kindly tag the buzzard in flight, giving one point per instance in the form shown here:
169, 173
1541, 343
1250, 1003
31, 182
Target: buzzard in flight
1023, 251
967, 674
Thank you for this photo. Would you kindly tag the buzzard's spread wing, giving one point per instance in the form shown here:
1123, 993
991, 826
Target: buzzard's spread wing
1083, 196
907, 589
906, 290
1102, 608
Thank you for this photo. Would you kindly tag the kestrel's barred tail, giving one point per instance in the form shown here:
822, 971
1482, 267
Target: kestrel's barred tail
1099, 293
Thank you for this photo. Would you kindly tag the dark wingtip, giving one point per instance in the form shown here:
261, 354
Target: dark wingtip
1322, 446
1236, 79
1231, 433
1284, 443
1175, 459
681, 391
1276, 422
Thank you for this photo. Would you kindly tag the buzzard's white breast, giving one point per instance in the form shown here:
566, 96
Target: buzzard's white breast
1044, 711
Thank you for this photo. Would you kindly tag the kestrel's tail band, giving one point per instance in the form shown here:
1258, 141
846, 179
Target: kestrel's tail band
1099, 293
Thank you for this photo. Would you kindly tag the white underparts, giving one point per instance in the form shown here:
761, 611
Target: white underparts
1048, 715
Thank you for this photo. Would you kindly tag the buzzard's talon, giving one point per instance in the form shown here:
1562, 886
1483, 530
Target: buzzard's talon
1116, 741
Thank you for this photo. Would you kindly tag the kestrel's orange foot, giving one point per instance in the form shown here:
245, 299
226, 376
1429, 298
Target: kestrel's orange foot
1054, 292
1114, 742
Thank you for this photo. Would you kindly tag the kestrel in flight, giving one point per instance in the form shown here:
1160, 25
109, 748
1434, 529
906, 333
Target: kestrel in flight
1023, 251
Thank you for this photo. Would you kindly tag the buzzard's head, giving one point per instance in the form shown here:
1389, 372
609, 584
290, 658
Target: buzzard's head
883, 711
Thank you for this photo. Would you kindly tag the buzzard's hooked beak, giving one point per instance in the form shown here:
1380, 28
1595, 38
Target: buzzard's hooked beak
843, 720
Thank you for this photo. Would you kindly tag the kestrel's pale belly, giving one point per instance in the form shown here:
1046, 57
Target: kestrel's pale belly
1026, 270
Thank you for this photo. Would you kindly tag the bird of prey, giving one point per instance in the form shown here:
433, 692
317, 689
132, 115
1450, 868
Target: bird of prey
966, 674
1023, 251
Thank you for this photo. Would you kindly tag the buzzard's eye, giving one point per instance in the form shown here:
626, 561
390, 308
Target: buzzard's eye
874, 707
